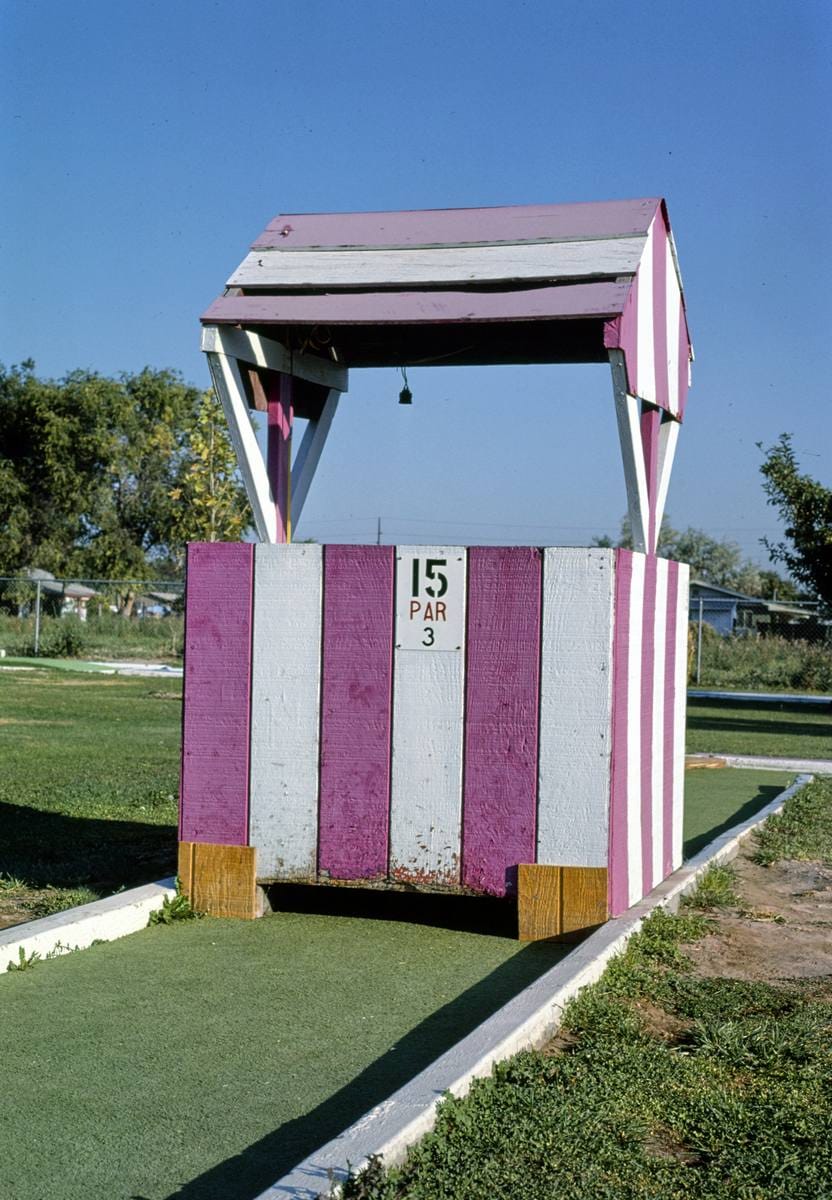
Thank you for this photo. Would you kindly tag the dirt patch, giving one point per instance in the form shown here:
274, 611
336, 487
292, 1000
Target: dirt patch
660, 1024
780, 930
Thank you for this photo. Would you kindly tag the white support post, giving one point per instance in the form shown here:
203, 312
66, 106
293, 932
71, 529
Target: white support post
628, 414
668, 437
309, 453
228, 384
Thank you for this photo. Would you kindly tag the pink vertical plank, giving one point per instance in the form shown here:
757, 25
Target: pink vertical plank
215, 726
669, 716
355, 711
501, 719
621, 333
618, 858
279, 397
651, 419
648, 654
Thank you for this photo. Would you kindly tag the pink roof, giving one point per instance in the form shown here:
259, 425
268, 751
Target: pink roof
464, 285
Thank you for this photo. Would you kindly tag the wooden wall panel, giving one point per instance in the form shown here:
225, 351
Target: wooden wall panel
426, 793
285, 710
501, 717
560, 902
355, 711
220, 880
215, 750
575, 707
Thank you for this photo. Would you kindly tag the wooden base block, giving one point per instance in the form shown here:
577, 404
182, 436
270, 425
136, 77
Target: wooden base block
559, 902
220, 880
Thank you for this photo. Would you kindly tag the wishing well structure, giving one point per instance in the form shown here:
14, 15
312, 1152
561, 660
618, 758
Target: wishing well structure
502, 721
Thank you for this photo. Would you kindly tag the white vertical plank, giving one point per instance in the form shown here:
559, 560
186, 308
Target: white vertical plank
285, 707
634, 721
657, 737
426, 773
645, 386
575, 707
680, 702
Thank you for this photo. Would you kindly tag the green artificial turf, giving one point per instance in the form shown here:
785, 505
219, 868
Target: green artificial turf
773, 730
204, 1058
717, 799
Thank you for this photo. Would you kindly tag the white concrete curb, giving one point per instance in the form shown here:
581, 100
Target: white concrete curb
77, 928
528, 1020
809, 766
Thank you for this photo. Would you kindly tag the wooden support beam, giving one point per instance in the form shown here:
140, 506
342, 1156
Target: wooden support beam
668, 438
220, 880
228, 384
309, 453
627, 411
559, 903
270, 355
649, 423
279, 389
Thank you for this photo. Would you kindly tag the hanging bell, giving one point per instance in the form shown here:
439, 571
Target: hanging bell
405, 395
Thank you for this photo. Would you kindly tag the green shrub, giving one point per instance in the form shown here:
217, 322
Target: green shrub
63, 638
766, 663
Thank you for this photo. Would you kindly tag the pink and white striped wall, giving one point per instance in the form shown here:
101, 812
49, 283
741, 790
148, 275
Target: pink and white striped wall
554, 734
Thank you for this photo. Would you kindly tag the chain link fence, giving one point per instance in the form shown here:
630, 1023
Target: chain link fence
44, 616
759, 645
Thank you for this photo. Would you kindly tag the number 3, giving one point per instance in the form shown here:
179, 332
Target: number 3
428, 639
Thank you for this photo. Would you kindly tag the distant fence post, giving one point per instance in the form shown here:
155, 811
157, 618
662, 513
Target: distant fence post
37, 617
699, 645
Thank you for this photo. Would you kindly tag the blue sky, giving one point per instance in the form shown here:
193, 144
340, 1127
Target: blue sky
146, 144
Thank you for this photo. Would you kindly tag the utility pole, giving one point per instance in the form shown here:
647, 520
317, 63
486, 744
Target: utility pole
378, 532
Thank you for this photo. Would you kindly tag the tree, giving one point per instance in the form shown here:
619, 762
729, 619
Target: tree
98, 476
211, 505
805, 508
713, 560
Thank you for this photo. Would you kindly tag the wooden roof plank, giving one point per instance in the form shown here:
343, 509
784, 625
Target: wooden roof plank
425, 307
447, 265
460, 226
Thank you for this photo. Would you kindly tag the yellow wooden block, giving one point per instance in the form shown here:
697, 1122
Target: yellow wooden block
220, 880
559, 902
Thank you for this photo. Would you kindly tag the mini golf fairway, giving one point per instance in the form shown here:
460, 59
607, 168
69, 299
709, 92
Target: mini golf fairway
204, 1059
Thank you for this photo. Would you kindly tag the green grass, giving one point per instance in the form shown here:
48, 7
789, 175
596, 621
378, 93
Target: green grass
204, 1058
661, 1086
767, 729
89, 782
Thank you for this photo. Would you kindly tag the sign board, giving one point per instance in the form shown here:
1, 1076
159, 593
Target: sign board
430, 598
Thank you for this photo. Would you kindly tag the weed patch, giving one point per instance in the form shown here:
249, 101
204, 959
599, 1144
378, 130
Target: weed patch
803, 830
716, 889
